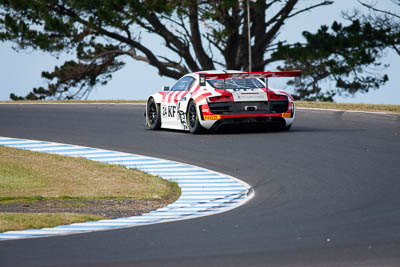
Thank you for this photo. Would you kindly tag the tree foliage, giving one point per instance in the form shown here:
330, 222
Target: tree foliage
340, 53
380, 18
192, 35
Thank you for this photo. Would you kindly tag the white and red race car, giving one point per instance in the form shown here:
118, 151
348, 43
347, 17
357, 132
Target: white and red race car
206, 100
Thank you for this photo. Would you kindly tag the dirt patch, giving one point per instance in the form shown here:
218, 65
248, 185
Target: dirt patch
110, 208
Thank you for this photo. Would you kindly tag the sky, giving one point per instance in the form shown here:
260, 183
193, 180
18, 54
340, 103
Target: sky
21, 71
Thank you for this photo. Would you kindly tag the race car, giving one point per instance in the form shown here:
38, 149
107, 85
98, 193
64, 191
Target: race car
204, 101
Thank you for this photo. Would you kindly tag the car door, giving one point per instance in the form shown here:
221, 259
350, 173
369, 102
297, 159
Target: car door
172, 116
183, 101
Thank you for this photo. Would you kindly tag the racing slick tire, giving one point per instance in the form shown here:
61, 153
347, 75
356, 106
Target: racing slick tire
279, 125
153, 115
286, 128
193, 120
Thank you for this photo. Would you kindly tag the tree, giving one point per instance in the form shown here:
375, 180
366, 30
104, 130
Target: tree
342, 54
345, 53
197, 34
380, 18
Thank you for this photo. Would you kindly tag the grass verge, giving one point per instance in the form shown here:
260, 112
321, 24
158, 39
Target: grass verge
349, 106
33, 184
302, 104
21, 221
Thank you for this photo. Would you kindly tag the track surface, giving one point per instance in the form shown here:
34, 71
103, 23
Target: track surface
327, 192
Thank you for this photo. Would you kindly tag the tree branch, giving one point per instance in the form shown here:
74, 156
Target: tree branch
195, 38
311, 7
378, 10
151, 58
282, 15
173, 64
169, 37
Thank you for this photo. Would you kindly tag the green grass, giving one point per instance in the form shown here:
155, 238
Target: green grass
32, 174
21, 221
7, 200
27, 177
349, 106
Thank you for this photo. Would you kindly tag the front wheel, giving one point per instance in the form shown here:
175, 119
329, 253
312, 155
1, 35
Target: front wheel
193, 119
153, 115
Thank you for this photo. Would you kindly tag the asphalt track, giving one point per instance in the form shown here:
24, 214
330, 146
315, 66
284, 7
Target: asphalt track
327, 192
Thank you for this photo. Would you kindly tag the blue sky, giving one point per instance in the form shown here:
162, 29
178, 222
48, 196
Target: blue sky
21, 71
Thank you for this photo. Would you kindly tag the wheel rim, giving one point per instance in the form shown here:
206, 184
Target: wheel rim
192, 116
152, 113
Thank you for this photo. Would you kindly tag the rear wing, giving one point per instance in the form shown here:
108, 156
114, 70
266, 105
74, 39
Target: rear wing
242, 75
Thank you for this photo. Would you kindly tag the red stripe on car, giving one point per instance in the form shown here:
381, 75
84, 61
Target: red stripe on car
283, 92
170, 96
164, 94
196, 89
178, 96
184, 95
201, 97
251, 115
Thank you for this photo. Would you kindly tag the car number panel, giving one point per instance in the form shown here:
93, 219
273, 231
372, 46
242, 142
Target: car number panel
172, 117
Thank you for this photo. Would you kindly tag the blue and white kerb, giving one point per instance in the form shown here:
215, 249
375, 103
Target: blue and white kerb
204, 192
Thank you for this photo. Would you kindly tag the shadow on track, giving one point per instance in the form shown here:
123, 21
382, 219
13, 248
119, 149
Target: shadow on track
249, 129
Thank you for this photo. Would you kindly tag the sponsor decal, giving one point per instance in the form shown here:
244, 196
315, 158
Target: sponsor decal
286, 115
169, 111
211, 117
182, 118
252, 96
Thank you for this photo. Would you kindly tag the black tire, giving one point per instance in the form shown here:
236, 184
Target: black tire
283, 127
279, 125
153, 115
286, 128
193, 120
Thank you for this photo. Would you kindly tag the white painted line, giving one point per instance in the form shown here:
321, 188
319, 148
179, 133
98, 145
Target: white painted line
103, 155
10, 138
205, 181
171, 173
111, 159
57, 147
97, 152
33, 145
199, 184
191, 206
191, 176
130, 160
206, 198
204, 192
14, 142
164, 167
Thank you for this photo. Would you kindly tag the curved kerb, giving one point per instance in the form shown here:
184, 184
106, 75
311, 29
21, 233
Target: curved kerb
204, 192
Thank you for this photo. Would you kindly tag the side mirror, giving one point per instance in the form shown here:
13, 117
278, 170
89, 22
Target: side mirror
165, 88
202, 78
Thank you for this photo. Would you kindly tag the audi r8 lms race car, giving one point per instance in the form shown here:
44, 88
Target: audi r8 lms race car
206, 100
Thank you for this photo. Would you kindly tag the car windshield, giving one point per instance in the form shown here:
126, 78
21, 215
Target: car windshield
236, 84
